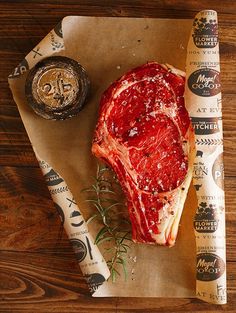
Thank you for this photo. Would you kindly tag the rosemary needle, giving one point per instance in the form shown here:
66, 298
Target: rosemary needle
115, 230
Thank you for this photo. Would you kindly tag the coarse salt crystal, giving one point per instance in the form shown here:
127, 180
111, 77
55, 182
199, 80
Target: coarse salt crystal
133, 132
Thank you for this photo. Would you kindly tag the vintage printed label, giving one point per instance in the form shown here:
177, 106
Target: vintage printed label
60, 212
200, 169
218, 171
52, 178
205, 125
58, 29
205, 32
20, 69
209, 266
94, 281
204, 82
207, 218
79, 248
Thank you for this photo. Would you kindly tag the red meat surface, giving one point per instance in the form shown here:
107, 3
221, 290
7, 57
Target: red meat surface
144, 133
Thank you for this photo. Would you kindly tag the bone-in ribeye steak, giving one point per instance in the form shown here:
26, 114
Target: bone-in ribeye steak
144, 133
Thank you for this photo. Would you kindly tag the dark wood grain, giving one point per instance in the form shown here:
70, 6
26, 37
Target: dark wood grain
38, 270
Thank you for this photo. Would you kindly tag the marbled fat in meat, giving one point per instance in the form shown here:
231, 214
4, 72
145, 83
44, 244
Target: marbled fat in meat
144, 133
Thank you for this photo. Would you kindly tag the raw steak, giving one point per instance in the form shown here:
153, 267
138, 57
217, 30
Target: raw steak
144, 133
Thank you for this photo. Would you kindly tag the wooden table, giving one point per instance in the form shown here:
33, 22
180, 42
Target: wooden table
38, 270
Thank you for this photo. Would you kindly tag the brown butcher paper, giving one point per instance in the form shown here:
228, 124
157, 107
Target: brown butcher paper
107, 48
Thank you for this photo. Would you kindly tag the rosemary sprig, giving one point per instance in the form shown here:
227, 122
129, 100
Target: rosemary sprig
115, 229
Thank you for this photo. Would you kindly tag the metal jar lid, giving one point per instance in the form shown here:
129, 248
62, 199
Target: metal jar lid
57, 87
